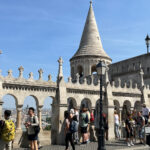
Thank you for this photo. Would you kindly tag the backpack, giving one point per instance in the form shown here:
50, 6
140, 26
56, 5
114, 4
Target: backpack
86, 119
74, 126
8, 132
36, 128
92, 117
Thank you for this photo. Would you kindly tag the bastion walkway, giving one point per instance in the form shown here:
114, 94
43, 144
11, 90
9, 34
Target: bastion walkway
120, 145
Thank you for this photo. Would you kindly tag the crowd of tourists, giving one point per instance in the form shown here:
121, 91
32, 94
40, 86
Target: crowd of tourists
135, 122
77, 124
7, 130
78, 127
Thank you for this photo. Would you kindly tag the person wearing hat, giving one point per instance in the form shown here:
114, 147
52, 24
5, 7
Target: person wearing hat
145, 113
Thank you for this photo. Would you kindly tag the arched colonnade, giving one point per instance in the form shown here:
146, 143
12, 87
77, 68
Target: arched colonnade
19, 102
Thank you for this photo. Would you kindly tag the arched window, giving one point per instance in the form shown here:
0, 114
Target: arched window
47, 114
10, 102
72, 72
80, 70
93, 69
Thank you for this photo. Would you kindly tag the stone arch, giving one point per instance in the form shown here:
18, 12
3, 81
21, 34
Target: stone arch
71, 103
97, 107
97, 112
87, 103
36, 99
138, 106
80, 70
8, 100
47, 113
14, 97
126, 109
117, 106
33, 101
93, 69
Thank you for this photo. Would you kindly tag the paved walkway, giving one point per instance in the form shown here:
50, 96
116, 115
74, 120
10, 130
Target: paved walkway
117, 145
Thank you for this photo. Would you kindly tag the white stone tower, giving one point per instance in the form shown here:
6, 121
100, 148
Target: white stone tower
90, 50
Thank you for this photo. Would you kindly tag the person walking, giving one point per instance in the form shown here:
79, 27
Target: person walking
141, 124
7, 132
129, 130
89, 124
76, 134
69, 135
84, 125
145, 113
117, 122
32, 125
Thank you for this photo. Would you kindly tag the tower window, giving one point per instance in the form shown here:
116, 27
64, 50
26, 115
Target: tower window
93, 69
80, 71
72, 72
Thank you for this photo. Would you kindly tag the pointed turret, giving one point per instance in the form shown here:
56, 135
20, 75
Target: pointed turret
90, 50
90, 44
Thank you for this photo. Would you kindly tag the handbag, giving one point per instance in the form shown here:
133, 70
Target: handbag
36, 128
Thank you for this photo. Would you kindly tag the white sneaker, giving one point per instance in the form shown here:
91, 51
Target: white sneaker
128, 144
131, 143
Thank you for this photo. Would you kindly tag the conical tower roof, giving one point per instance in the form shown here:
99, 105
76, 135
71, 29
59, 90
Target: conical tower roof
90, 44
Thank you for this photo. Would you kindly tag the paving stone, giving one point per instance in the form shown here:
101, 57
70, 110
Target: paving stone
120, 145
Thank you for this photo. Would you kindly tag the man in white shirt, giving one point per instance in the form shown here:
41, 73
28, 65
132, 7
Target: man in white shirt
145, 113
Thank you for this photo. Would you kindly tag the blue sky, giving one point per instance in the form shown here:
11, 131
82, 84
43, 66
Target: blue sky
34, 33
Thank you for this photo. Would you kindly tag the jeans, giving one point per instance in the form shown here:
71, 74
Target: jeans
5, 145
117, 134
68, 139
141, 133
76, 137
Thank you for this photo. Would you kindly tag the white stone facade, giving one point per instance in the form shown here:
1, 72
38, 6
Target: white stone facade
126, 84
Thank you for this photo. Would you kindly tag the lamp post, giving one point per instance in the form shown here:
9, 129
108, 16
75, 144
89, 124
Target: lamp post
101, 68
147, 40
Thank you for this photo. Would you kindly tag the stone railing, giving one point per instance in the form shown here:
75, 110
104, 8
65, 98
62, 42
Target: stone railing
83, 83
30, 81
128, 87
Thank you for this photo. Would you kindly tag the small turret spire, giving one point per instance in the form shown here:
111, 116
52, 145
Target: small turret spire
90, 2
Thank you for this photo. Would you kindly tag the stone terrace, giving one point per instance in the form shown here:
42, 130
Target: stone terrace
121, 145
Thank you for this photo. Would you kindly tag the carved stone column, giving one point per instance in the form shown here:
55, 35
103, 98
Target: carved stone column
120, 113
40, 116
111, 134
19, 112
121, 121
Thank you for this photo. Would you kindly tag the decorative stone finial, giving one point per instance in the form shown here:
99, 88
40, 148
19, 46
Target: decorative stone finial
141, 76
31, 75
21, 69
69, 79
49, 77
60, 71
9, 73
40, 74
